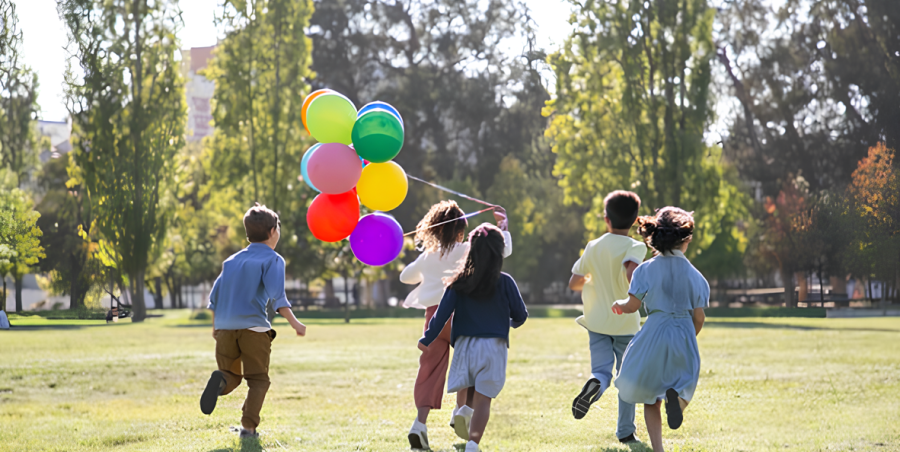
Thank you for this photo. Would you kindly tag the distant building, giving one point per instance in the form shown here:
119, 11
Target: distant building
198, 91
59, 133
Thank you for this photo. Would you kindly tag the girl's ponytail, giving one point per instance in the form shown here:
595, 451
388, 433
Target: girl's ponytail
667, 230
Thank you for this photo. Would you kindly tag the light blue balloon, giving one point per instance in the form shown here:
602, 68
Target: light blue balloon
303, 163
382, 105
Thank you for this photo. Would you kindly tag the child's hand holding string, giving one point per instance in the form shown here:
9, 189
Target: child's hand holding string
500, 218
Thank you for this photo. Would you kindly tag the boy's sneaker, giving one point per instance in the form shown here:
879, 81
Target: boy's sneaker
589, 394
418, 436
214, 387
673, 409
471, 447
630, 439
453, 417
247, 434
461, 422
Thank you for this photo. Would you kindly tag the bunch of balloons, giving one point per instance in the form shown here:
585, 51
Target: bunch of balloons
352, 165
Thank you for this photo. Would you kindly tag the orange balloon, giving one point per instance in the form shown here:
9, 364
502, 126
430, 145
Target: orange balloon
308, 101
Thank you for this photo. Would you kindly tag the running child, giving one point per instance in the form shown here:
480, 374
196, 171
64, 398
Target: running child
602, 275
443, 251
484, 303
241, 328
662, 362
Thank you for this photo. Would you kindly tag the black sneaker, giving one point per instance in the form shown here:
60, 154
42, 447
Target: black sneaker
245, 434
590, 393
214, 387
630, 439
673, 409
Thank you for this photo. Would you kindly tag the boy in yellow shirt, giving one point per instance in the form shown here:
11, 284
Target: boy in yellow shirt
602, 274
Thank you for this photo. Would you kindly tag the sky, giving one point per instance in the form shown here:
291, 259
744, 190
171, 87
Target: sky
44, 39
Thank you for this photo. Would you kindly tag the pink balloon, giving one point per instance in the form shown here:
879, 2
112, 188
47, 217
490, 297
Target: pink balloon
334, 168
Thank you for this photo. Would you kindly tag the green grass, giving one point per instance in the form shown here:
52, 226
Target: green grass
766, 384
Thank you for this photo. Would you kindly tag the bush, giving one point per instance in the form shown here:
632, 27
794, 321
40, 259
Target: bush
201, 314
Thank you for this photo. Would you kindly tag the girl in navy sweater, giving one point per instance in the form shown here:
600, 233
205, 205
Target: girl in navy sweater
484, 303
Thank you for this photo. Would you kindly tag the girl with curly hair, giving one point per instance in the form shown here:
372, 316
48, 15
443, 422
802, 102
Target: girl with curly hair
441, 237
662, 362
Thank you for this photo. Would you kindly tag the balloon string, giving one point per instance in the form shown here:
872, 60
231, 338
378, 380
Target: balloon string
439, 187
449, 221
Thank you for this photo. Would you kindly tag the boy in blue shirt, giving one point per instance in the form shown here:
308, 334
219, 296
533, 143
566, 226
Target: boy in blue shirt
249, 279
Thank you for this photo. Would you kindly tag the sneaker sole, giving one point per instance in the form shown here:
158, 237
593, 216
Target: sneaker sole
674, 416
461, 427
211, 393
582, 403
415, 442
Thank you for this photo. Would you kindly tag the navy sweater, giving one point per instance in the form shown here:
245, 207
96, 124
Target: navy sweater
479, 317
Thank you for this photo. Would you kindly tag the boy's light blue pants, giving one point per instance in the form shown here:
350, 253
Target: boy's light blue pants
606, 353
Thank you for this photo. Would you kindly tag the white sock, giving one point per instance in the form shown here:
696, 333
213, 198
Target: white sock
419, 425
471, 446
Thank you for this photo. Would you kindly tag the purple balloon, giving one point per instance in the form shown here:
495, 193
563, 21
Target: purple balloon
377, 239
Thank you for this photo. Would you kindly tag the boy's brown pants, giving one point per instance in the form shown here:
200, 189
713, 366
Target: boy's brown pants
252, 349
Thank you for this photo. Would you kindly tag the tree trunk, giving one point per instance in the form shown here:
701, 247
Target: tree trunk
788, 279
3, 307
157, 294
329, 290
346, 302
804, 287
138, 308
18, 294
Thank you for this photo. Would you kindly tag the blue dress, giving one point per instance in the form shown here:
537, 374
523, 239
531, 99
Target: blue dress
664, 353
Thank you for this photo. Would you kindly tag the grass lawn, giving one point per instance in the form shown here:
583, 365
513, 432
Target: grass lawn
766, 384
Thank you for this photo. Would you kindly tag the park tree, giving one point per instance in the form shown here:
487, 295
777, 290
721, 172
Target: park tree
631, 106
20, 239
260, 70
813, 85
875, 194
127, 106
64, 209
19, 142
465, 75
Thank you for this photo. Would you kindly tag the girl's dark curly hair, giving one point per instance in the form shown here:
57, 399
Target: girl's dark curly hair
445, 237
478, 275
667, 230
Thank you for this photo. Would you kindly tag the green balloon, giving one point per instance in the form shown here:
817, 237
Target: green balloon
378, 136
330, 118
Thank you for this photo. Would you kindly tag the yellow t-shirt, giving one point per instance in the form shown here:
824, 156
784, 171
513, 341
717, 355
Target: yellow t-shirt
604, 260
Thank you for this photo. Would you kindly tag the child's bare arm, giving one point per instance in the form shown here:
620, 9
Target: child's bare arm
295, 324
629, 269
699, 316
576, 282
627, 306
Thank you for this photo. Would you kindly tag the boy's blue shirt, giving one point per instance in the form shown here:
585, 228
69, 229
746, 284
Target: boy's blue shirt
489, 317
249, 279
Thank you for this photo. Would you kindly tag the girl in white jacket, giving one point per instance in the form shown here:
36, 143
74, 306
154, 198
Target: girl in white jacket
443, 248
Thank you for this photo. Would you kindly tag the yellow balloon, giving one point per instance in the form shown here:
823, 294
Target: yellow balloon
382, 186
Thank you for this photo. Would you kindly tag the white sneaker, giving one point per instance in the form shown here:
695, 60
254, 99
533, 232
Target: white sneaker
461, 422
471, 447
418, 436
453, 417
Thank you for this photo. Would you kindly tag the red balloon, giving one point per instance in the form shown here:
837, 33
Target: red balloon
332, 218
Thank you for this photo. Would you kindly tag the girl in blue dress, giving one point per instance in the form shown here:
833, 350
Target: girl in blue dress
662, 362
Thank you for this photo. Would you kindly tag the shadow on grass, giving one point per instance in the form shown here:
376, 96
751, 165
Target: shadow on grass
246, 445
56, 327
748, 325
